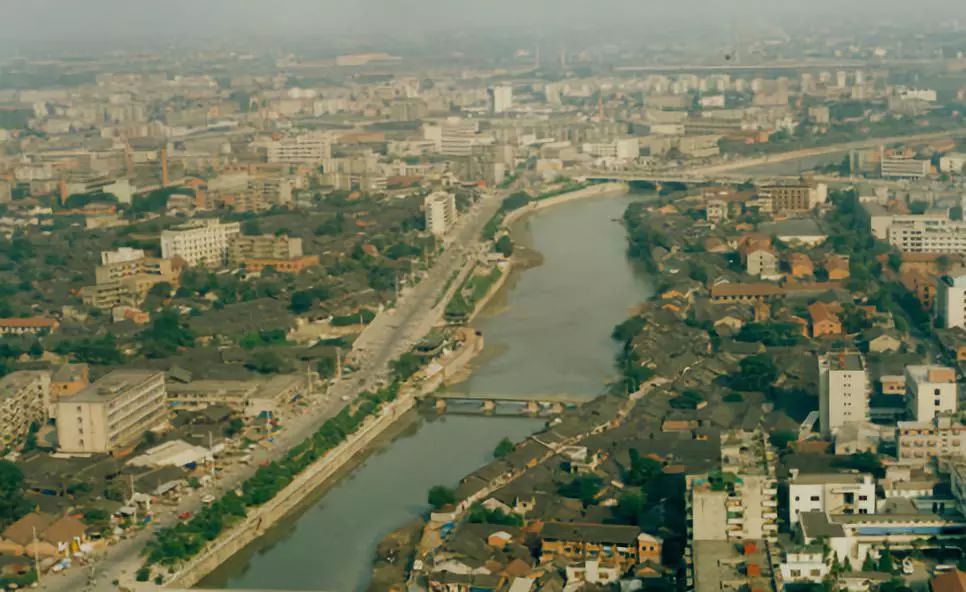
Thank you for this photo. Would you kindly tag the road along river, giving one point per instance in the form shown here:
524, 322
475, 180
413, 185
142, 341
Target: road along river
547, 332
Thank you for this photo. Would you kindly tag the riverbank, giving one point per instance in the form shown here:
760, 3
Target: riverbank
255, 527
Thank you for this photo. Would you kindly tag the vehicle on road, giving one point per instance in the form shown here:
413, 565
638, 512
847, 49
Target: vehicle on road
907, 567
207, 499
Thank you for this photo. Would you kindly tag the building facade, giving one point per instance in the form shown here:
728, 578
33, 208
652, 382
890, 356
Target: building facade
441, 213
24, 399
843, 391
932, 391
835, 493
950, 305
203, 242
112, 413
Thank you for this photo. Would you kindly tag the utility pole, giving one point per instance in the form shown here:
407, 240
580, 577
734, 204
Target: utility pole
36, 555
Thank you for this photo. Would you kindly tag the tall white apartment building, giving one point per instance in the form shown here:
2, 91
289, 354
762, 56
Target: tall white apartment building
832, 493
950, 305
843, 391
928, 235
441, 214
112, 413
24, 399
932, 391
311, 149
203, 242
501, 98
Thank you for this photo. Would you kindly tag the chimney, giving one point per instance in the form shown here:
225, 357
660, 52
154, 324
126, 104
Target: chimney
62, 188
164, 166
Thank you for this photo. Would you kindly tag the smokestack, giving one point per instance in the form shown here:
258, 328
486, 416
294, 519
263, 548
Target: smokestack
62, 188
164, 166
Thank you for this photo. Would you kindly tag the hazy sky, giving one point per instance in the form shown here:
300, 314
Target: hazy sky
39, 21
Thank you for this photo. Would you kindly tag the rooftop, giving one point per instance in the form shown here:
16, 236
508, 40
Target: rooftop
114, 385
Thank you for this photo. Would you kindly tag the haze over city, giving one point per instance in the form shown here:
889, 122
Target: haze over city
449, 296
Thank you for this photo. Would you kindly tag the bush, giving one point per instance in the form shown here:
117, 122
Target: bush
143, 574
440, 496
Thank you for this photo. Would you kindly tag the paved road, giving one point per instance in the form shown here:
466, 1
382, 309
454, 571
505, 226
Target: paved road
391, 334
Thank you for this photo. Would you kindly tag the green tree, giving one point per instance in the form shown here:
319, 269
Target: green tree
782, 438
504, 448
12, 503
166, 335
504, 246
440, 496
584, 487
265, 362
630, 506
756, 373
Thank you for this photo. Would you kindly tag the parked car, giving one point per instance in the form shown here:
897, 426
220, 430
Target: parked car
207, 499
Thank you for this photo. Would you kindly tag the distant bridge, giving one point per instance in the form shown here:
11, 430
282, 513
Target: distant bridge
545, 398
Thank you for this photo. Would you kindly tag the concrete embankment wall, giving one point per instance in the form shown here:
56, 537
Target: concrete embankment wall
261, 518
592, 191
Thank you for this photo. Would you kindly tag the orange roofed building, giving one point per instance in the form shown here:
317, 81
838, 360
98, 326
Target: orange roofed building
825, 319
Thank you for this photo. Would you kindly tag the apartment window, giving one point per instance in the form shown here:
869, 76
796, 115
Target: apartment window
938, 402
815, 498
936, 392
863, 498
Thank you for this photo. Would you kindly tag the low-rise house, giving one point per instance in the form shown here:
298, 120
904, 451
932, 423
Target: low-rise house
825, 319
837, 267
28, 326
878, 340
800, 265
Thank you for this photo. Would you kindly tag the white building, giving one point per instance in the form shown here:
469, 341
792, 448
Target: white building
440, 208
843, 391
501, 98
894, 167
932, 391
716, 210
832, 493
928, 235
112, 413
804, 565
453, 137
310, 149
621, 149
203, 242
954, 162
950, 305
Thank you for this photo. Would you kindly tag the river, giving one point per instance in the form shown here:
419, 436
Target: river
548, 332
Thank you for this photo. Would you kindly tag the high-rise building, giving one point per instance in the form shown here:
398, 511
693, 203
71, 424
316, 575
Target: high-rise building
843, 391
950, 307
932, 391
501, 98
113, 413
440, 212
203, 242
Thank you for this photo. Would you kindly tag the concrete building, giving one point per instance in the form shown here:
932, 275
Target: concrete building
716, 210
950, 304
843, 391
501, 98
922, 441
112, 413
896, 167
738, 503
204, 242
310, 148
24, 399
263, 246
440, 209
622, 149
928, 235
761, 262
832, 493
932, 391
794, 198
953, 163
251, 397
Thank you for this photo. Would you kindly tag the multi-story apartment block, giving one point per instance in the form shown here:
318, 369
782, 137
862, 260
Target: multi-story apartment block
112, 413
950, 304
24, 399
932, 391
922, 441
843, 391
204, 242
263, 246
440, 212
833, 493
739, 502
895, 167
928, 235
309, 148
794, 198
